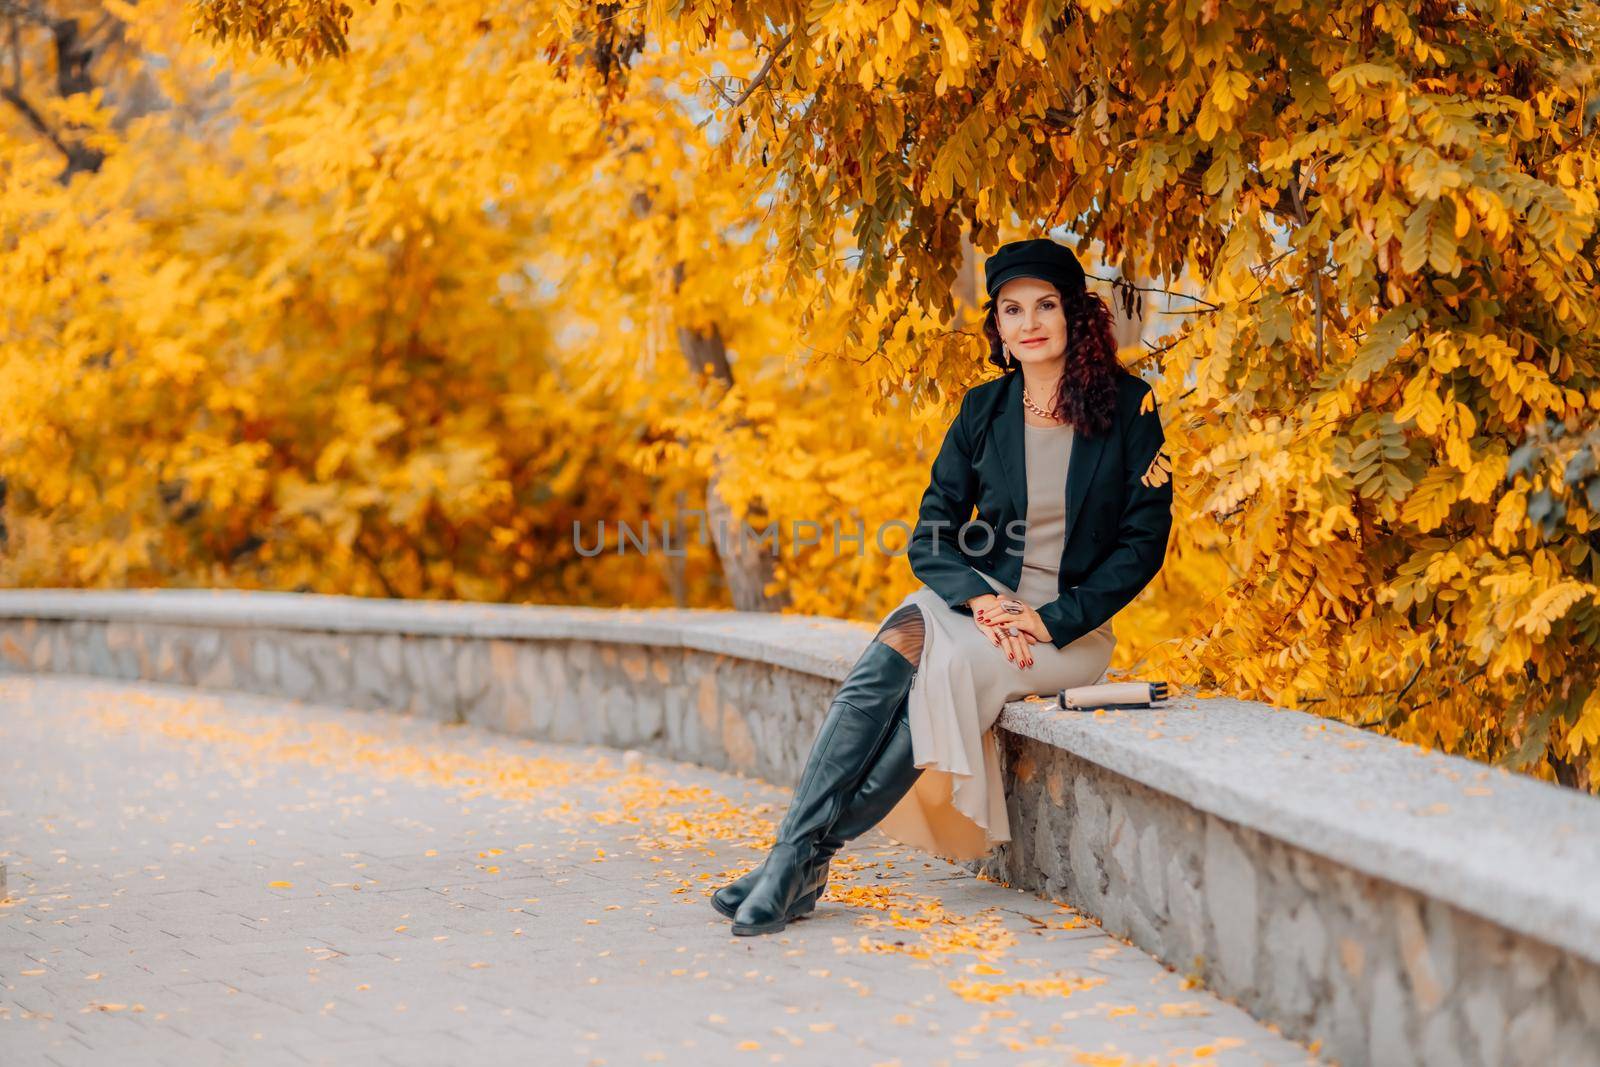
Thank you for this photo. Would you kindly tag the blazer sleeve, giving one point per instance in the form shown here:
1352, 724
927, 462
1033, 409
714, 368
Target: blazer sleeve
947, 503
1141, 546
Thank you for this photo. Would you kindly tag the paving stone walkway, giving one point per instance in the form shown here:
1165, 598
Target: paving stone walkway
205, 878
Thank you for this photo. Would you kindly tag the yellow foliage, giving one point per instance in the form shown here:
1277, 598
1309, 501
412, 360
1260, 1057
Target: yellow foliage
1393, 295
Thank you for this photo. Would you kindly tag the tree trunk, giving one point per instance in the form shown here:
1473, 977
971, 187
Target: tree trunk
745, 567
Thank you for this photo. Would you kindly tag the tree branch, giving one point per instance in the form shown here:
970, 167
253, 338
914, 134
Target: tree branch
1297, 195
1154, 289
759, 78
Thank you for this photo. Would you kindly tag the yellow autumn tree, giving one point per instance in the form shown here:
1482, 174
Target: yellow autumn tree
417, 329
1381, 400
280, 333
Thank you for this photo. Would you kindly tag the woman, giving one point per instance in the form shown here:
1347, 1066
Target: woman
1063, 458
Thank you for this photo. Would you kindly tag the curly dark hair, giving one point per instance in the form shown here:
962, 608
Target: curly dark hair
1087, 395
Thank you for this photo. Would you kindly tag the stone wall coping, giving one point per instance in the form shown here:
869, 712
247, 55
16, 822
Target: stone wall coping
811, 644
1518, 852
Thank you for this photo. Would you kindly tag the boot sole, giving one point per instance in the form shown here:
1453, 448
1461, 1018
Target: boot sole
770, 928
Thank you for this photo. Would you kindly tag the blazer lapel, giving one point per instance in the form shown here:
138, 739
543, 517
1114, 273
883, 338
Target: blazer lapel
1008, 436
1086, 453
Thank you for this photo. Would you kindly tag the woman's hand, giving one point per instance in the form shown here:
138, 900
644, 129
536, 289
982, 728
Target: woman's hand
1004, 610
1009, 624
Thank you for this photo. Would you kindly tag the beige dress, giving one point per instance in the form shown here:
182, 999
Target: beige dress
957, 808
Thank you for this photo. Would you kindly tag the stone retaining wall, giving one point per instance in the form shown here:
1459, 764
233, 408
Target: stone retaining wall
1376, 972
1394, 905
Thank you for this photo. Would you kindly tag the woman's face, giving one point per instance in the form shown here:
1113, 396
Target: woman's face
1031, 320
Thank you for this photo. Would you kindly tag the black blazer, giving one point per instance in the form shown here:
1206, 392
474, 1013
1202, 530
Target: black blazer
1118, 508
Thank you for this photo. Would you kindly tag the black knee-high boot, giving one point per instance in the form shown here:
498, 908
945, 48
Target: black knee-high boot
890, 777
858, 722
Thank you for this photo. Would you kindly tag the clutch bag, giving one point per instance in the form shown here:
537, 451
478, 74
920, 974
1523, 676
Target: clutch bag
1112, 695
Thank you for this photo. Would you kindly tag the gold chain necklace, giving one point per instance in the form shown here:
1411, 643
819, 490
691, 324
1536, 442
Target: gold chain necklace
1027, 402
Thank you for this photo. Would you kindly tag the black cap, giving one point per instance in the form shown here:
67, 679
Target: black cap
1038, 257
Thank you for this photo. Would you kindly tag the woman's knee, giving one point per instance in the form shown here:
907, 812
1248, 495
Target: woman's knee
903, 631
